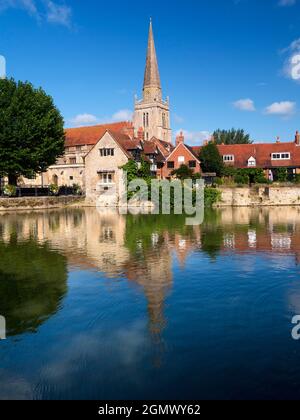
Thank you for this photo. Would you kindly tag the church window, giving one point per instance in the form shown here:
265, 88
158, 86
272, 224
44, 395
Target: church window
72, 161
147, 119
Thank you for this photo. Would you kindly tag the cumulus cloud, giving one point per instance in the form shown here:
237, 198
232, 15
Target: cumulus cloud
244, 105
122, 115
195, 137
285, 108
42, 10
90, 119
84, 119
291, 67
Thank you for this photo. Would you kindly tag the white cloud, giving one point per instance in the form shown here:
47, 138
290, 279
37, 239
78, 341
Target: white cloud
195, 137
84, 119
284, 3
58, 13
28, 5
245, 105
122, 115
291, 67
285, 108
90, 119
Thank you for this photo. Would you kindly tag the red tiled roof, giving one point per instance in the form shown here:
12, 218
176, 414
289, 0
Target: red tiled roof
125, 142
91, 135
262, 152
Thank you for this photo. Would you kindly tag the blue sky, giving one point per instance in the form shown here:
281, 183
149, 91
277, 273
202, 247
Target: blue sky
224, 63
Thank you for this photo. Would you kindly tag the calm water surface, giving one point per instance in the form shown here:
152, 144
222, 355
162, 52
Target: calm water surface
102, 306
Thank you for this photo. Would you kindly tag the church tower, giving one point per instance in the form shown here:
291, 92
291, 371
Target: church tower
152, 113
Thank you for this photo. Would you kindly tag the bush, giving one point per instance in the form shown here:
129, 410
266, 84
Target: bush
219, 181
282, 175
53, 189
241, 179
211, 196
297, 179
10, 190
229, 172
77, 189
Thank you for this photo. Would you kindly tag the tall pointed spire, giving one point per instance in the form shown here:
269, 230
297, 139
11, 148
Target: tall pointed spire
152, 86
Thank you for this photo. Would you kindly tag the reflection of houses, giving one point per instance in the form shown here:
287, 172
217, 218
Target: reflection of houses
98, 241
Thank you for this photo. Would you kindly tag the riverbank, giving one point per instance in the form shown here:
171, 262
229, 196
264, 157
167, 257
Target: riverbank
40, 203
256, 196
259, 195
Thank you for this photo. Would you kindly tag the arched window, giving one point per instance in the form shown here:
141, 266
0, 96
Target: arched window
147, 119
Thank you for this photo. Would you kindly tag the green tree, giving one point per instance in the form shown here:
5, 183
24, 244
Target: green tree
184, 172
31, 130
232, 136
211, 160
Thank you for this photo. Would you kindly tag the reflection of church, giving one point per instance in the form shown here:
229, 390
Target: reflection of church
107, 242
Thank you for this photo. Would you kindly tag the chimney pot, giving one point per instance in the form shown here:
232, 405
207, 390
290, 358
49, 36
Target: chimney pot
297, 138
180, 138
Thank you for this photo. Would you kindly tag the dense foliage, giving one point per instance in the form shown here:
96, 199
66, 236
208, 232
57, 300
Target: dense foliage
31, 130
211, 160
184, 172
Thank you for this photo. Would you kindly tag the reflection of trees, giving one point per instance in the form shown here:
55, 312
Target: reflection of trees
33, 281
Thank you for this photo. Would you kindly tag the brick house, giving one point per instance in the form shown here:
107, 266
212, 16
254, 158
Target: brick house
181, 155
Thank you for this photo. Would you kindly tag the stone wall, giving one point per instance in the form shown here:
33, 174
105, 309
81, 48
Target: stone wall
39, 203
260, 196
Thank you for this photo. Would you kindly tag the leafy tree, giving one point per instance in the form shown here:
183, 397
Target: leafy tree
144, 171
132, 170
232, 136
211, 160
31, 130
184, 172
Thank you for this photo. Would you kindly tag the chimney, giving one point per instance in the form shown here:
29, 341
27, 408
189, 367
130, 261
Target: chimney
128, 130
141, 134
297, 138
278, 140
180, 138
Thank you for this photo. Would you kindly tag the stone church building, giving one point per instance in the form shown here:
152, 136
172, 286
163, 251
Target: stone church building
94, 155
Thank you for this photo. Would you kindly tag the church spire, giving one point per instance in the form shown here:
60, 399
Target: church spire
152, 86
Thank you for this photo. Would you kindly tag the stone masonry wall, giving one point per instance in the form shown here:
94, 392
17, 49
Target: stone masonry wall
38, 203
260, 196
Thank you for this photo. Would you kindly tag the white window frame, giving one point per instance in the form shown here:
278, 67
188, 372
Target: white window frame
281, 156
228, 158
106, 178
251, 162
181, 159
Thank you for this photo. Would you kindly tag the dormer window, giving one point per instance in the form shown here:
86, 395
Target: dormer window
251, 162
281, 156
228, 158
